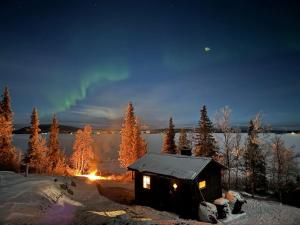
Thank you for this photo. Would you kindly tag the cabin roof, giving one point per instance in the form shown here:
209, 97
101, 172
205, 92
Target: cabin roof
178, 166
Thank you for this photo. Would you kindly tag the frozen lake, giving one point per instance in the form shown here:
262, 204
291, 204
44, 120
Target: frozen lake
107, 145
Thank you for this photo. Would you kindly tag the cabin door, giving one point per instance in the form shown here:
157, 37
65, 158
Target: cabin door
174, 195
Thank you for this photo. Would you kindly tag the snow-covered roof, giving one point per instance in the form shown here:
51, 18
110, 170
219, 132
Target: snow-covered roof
178, 166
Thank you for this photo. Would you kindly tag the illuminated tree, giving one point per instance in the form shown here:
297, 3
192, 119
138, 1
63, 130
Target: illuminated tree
37, 149
132, 144
83, 157
183, 142
61, 165
55, 156
205, 142
126, 153
169, 145
8, 156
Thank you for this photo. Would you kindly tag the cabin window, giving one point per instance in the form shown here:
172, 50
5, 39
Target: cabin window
175, 186
202, 184
146, 182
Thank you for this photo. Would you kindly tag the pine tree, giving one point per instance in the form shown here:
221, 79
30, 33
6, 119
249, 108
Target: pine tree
37, 149
127, 152
183, 142
139, 144
8, 156
55, 156
169, 145
83, 157
5, 105
132, 146
254, 159
205, 142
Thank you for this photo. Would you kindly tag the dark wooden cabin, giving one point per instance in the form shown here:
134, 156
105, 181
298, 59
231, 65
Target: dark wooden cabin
176, 182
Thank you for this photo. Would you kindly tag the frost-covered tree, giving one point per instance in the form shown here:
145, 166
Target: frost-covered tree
55, 156
8, 155
37, 148
169, 145
237, 155
222, 121
183, 142
255, 162
132, 144
205, 143
284, 165
83, 158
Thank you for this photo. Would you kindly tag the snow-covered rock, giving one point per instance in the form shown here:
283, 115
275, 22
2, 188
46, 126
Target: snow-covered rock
235, 201
207, 212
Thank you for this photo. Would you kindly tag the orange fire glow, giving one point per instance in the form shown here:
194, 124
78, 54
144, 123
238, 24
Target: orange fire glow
93, 176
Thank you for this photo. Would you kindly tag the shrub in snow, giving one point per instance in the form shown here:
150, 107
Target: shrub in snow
207, 212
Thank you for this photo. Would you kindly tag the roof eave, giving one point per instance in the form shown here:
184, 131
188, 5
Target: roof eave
162, 175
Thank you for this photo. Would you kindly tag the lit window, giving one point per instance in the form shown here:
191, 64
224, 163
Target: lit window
175, 186
146, 182
202, 184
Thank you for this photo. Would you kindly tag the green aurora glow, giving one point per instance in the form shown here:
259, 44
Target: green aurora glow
62, 99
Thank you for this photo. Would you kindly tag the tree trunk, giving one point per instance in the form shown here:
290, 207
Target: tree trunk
229, 179
252, 182
236, 177
26, 170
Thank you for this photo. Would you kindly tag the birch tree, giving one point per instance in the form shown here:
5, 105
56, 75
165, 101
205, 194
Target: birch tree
284, 164
237, 154
83, 156
222, 119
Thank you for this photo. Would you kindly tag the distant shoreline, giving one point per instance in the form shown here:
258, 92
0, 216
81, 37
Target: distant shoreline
63, 129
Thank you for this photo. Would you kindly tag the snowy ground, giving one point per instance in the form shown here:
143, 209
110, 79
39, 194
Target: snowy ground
268, 212
41, 200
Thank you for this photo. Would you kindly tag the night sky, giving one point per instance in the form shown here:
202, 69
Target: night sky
84, 60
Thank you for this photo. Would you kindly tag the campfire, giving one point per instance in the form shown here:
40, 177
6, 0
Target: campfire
93, 176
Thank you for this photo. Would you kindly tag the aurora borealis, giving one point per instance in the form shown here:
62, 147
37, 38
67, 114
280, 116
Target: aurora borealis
84, 60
